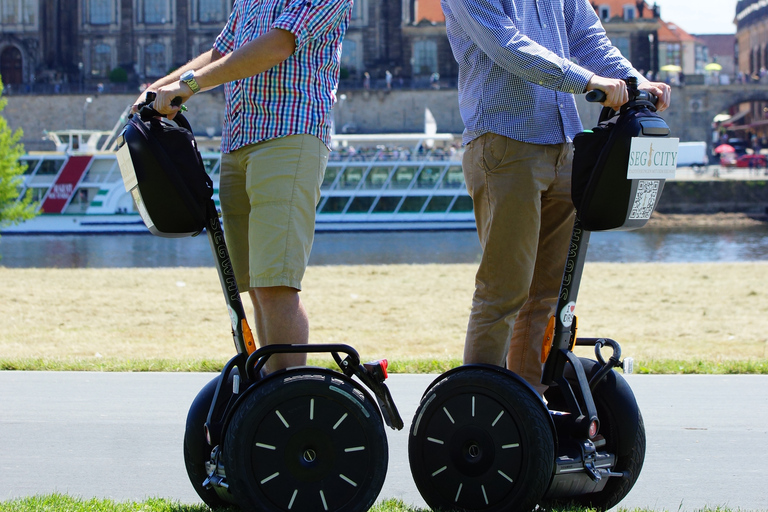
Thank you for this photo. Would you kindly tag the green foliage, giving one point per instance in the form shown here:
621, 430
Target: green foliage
11, 171
118, 76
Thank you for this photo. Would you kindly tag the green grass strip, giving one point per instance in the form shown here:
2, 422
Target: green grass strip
418, 366
65, 503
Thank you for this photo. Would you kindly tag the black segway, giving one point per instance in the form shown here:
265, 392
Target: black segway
482, 439
302, 439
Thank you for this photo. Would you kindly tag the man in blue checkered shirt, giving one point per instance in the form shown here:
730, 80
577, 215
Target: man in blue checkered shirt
520, 64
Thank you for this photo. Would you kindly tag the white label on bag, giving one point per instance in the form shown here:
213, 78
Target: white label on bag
652, 158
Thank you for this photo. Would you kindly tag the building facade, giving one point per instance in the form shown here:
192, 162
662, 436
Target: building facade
66, 45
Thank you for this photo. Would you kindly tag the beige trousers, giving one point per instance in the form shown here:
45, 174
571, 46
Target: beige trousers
522, 200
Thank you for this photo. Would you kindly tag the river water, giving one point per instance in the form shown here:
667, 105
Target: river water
145, 250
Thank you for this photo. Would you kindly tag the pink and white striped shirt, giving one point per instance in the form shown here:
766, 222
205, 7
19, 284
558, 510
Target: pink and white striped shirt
296, 96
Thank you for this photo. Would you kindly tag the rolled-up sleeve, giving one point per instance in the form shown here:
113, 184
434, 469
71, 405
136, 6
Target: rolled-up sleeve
496, 34
306, 19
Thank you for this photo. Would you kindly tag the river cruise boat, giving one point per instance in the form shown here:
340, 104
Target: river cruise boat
373, 182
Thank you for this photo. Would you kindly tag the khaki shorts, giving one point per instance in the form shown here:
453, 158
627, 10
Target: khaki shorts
269, 192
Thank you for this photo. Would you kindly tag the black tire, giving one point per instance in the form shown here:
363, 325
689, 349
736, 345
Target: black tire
481, 439
196, 449
621, 424
306, 440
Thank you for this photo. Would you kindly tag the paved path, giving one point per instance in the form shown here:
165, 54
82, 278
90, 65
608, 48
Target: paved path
119, 436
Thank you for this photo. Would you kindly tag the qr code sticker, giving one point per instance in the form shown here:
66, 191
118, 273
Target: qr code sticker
645, 199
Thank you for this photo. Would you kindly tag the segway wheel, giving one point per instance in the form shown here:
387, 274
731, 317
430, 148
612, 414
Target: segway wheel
481, 439
196, 449
621, 424
306, 440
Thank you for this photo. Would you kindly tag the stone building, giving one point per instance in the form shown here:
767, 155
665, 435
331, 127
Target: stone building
72, 45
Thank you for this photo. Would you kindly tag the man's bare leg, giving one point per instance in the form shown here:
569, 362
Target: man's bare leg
280, 319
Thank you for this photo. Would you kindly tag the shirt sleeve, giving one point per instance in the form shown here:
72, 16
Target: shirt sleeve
225, 42
496, 34
590, 44
306, 19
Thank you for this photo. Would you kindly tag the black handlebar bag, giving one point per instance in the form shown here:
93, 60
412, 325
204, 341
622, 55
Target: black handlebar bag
163, 171
620, 166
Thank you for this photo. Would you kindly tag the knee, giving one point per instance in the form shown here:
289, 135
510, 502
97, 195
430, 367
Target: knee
273, 296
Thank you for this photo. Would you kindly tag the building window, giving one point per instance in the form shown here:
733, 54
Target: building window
349, 54
424, 57
629, 12
15, 12
673, 54
155, 12
101, 60
211, 11
604, 11
101, 12
154, 60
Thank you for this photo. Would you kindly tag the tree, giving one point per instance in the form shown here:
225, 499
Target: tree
12, 210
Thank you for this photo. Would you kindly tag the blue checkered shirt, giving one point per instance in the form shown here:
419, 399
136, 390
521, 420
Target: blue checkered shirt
296, 96
518, 70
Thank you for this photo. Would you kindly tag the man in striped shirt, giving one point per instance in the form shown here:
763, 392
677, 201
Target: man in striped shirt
520, 64
279, 61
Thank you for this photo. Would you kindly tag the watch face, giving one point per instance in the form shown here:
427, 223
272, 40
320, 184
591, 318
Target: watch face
187, 75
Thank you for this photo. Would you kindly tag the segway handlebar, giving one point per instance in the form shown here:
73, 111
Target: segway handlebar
598, 96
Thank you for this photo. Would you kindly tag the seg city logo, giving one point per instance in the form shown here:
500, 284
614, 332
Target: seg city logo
651, 157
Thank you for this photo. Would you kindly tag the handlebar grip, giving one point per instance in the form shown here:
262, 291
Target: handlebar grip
596, 96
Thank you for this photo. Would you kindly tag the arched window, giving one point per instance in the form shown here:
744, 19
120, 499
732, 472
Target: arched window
211, 11
424, 57
101, 60
155, 12
349, 54
14, 12
11, 66
154, 60
101, 12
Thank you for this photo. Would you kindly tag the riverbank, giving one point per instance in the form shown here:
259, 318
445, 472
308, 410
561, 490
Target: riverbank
702, 311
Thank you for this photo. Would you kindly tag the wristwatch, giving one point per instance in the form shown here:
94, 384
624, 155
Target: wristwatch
188, 77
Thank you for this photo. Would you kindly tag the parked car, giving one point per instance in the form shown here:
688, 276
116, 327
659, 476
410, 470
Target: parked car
752, 161
728, 159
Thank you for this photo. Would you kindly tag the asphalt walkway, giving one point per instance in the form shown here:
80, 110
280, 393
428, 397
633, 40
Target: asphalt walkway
119, 436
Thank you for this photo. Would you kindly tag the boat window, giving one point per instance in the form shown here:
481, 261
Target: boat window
81, 200
330, 175
403, 177
351, 177
438, 204
387, 204
376, 178
428, 177
412, 204
335, 204
361, 204
49, 167
31, 163
454, 178
99, 170
463, 204
36, 194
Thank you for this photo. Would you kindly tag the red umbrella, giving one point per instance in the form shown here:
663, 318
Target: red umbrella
724, 148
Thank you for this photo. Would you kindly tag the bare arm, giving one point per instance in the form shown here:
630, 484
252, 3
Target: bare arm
198, 62
257, 56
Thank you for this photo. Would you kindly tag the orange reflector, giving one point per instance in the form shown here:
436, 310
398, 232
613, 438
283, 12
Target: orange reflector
384, 364
549, 335
250, 343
